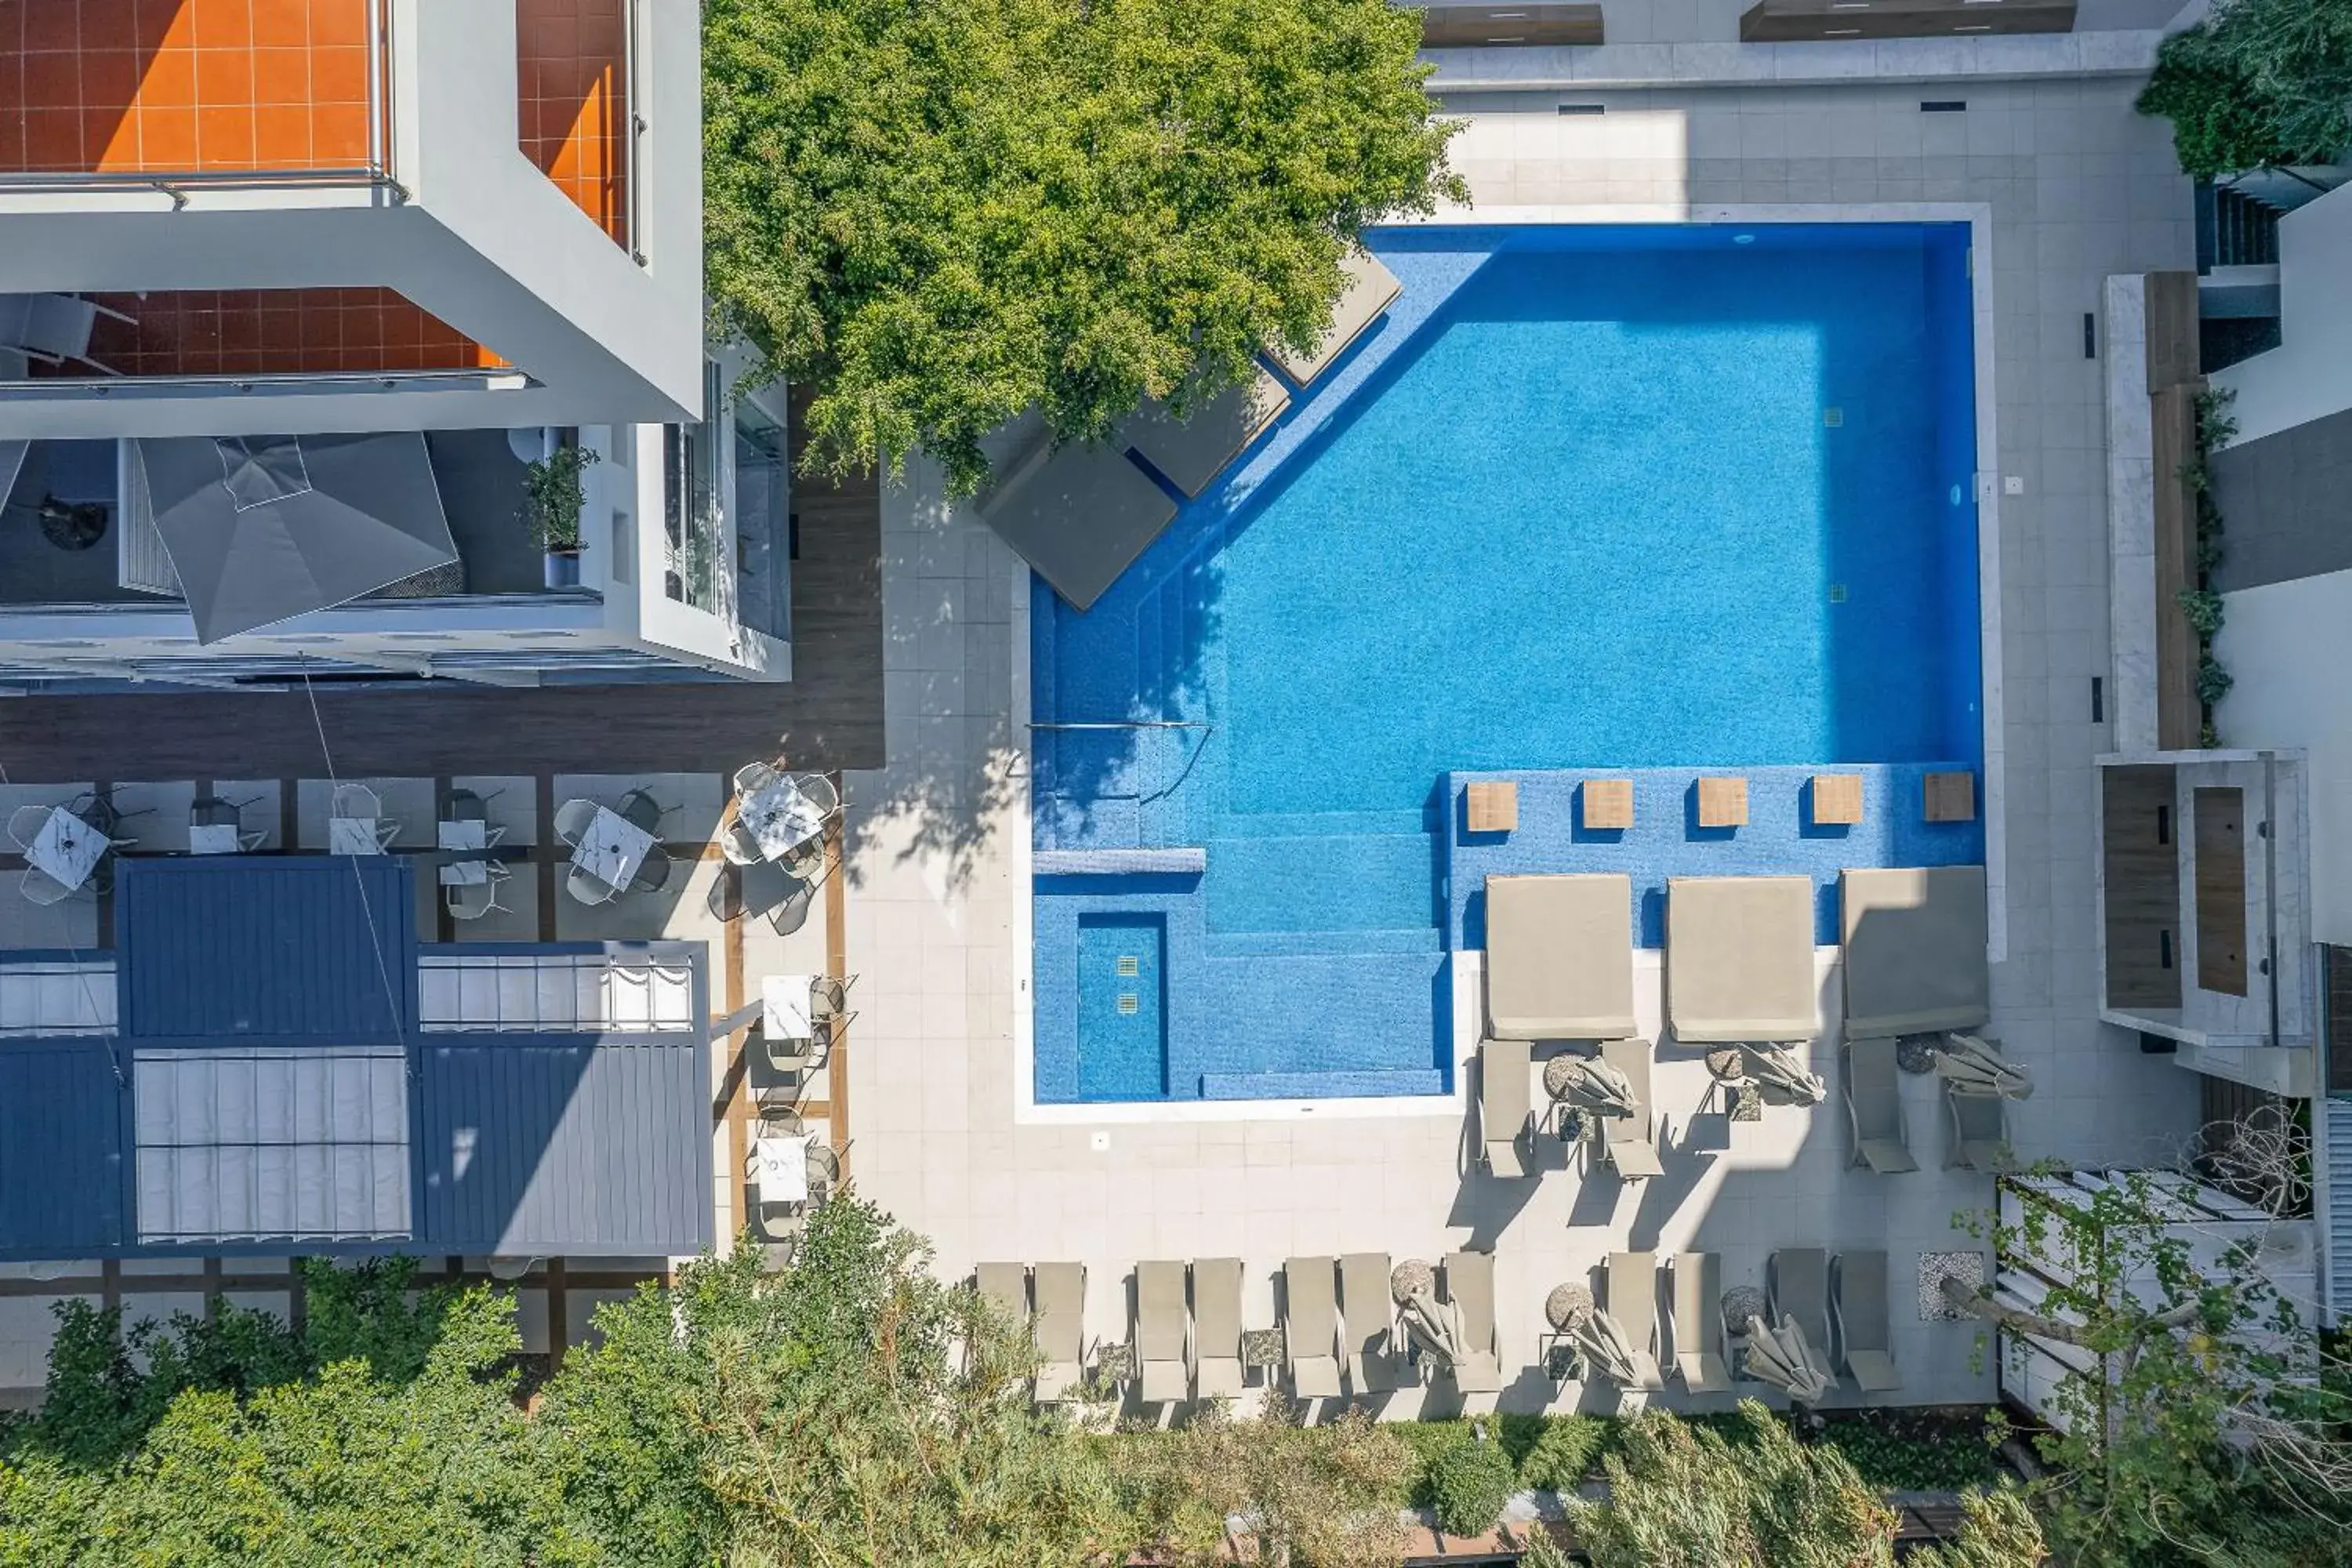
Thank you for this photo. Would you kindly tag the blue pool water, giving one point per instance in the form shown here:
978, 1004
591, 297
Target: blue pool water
1590, 497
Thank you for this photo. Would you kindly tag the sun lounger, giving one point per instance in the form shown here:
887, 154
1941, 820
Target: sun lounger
1079, 516
1193, 451
1859, 1308
1913, 951
1372, 1359
1311, 1327
1560, 957
1371, 288
1630, 1144
1798, 1281
1979, 1134
1874, 1103
1632, 1280
1216, 1327
1503, 1105
1160, 1333
1698, 1327
1739, 958
1470, 1285
1059, 1327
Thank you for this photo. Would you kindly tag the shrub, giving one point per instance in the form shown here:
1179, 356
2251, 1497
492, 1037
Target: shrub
1468, 1486
1565, 1454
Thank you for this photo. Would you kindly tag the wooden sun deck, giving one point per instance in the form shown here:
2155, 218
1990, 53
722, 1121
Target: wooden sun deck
828, 718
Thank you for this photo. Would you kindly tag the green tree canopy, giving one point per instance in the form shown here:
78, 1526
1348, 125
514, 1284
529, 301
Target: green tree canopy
941, 213
2259, 82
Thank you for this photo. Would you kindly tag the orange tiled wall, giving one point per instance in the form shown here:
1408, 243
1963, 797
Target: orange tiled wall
173, 85
572, 62
262, 332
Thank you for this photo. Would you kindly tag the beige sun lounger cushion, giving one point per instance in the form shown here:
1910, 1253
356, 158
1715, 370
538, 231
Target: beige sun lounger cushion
1860, 1307
1193, 451
1216, 1327
1739, 958
1630, 1143
1470, 1285
1373, 1359
1633, 1281
1797, 1278
1914, 951
1698, 1344
1161, 1321
1005, 1286
1079, 516
1059, 1328
1873, 1104
1560, 957
1311, 1327
1505, 1101
1371, 288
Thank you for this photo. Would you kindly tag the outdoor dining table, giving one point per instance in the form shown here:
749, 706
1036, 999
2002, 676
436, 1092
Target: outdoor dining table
465, 833
613, 849
67, 848
780, 1168
780, 817
465, 873
785, 1004
215, 838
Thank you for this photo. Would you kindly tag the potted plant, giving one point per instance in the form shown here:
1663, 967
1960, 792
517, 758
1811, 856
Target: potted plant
552, 500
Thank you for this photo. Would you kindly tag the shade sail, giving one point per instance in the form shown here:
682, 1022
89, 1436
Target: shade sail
262, 529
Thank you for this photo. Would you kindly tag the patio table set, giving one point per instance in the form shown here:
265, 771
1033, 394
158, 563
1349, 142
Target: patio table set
779, 824
65, 847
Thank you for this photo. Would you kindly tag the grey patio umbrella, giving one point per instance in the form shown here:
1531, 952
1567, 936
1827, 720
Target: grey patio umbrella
1782, 1359
1602, 1089
1608, 1348
261, 529
1969, 1065
1435, 1326
1781, 1070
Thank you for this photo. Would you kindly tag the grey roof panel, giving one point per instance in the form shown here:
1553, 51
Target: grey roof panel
241, 950
533, 1146
62, 1119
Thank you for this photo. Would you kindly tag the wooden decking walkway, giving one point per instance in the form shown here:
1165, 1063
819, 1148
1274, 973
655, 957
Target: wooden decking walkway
828, 717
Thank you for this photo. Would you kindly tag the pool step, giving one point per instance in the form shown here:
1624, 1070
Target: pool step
1365, 882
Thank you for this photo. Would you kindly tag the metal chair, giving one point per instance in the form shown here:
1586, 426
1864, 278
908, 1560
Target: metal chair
356, 802
642, 811
753, 777
573, 819
472, 901
39, 886
652, 871
791, 913
737, 845
589, 887
465, 806
25, 824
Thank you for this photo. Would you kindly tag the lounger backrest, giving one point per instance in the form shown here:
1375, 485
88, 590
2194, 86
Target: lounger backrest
1915, 950
1631, 1058
1160, 1311
1697, 1298
1470, 1285
1862, 1301
1801, 1290
1633, 1280
1310, 1312
1504, 1097
1364, 1295
1217, 1307
1870, 1081
1981, 1117
1006, 1285
1060, 1323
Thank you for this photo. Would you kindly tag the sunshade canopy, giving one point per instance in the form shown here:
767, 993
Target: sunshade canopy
262, 529
1560, 957
1915, 950
1739, 958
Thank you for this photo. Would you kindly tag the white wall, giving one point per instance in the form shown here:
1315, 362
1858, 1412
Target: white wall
2288, 645
2310, 373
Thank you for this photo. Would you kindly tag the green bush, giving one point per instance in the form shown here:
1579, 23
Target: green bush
1566, 1452
1468, 1486
2261, 82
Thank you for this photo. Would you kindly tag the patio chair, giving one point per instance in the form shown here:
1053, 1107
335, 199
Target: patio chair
589, 887
791, 913
573, 819
753, 777
1504, 1106
652, 871
737, 845
1739, 958
1913, 951
40, 888
1160, 1332
1470, 1286
1858, 1313
1979, 1134
357, 802
25, 824
1560, 957
1873, 1104
1700, 1360
212, 811
1628, 1143
1311, 1327
641, 810
1797, 1278
465, 806
1216, 1327
1059, 1328
1373, 1364
472, 901
1632, 1281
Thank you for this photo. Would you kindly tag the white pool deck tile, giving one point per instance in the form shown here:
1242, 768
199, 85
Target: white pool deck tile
2074, 186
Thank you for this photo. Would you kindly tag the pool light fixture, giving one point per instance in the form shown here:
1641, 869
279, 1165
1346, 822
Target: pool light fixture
1743, 239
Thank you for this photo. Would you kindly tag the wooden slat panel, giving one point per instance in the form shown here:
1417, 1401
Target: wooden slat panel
2143, 888
2221, 891
2172, 350
2179, 716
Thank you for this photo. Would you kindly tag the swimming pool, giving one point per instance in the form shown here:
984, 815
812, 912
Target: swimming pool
1590, 497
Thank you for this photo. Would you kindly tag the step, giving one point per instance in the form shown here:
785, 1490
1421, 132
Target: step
1368, 882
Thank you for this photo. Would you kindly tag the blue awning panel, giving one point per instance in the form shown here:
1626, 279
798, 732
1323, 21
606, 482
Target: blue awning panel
61, 1131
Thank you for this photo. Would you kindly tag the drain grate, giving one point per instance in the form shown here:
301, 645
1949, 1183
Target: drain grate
1837, 593
1834, 418
1128, 965
1128, 1004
